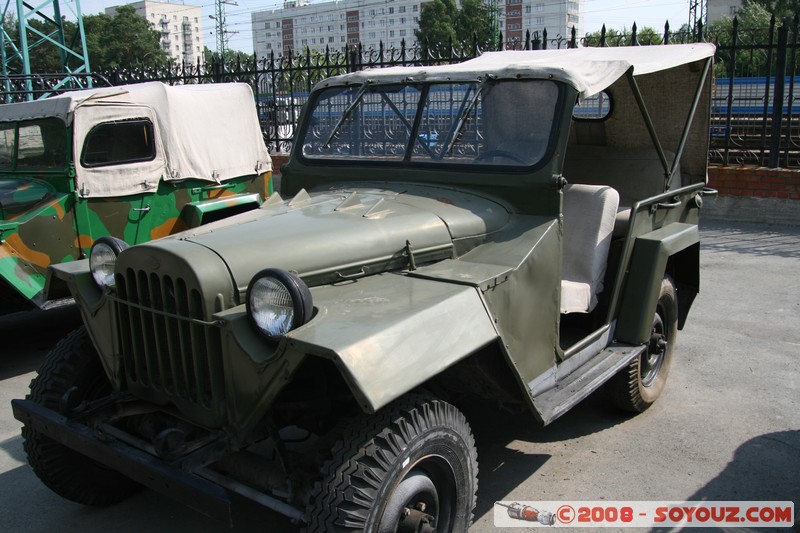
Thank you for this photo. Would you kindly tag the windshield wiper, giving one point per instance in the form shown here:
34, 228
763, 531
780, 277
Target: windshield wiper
463, 113
345, 115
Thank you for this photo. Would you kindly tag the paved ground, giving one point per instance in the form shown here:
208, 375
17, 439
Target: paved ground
726, 428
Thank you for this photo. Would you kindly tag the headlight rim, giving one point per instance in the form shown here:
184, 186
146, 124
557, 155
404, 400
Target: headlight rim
117, 246
302, 304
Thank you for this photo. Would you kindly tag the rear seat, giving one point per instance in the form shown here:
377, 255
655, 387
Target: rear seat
635, 173
589, 212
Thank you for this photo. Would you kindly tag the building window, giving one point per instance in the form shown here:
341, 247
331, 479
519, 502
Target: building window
266, 25
539, 20
391, 10
539, 7
572, 6
572, 19
402, 33
402, 9
391, 33
415, 8
734, 10
527, 9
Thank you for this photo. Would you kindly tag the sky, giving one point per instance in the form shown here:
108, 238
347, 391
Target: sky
615, 14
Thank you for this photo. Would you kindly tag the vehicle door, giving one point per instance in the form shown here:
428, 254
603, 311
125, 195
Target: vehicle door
119, 163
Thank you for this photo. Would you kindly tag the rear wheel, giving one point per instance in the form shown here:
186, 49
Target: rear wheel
640, 384
411, 467
72, 363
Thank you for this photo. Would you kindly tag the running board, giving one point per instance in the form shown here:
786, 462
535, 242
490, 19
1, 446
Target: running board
584, 380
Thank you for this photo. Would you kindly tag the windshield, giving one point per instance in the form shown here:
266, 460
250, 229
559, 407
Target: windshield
33, 144
479, 123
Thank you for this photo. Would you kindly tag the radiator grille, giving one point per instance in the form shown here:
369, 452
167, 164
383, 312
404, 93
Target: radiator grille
167, 346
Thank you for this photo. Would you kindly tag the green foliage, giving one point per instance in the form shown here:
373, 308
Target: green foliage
442, 23
782, 9
646, 35
753, 28
230, 56
121, 40
111, 41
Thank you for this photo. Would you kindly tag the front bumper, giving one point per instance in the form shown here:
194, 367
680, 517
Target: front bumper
187, 488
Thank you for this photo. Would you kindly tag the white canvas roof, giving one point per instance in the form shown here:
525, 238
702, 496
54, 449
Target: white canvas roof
589, 70
209, 132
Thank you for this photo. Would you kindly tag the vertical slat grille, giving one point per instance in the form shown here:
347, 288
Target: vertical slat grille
166, 345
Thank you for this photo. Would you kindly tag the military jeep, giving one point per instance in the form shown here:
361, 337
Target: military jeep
135, 162
520, 228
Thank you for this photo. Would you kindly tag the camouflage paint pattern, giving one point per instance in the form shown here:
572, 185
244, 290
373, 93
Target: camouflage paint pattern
41, 225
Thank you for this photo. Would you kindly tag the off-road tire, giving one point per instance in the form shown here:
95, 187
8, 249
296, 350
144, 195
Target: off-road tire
72, 362
416, 442
640, 384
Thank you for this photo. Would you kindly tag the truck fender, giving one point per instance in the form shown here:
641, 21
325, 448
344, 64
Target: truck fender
390, 333
201, 212
648, 265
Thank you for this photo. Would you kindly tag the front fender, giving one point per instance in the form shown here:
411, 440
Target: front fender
390, 333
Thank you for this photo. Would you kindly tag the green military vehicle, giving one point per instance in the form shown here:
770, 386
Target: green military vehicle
521, 227
135, 162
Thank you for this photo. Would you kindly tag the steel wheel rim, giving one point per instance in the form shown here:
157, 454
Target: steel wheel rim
653, 359
423, 500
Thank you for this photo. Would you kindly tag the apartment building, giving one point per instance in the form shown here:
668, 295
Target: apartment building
716, 9
302, 24
180, 26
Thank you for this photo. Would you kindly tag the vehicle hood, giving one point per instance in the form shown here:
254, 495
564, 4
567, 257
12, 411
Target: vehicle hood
20, 195
349, 231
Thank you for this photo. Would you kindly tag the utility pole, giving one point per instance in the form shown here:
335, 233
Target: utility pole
223, 35
697, 15
16, 57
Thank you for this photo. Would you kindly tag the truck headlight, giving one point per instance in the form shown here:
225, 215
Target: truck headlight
277, 302
103, 257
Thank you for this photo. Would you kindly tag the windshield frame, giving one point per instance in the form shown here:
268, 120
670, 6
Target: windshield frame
410, 161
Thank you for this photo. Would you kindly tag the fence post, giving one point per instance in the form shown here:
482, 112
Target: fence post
666, 33
777, 97
792, 75
762, 152
731, 75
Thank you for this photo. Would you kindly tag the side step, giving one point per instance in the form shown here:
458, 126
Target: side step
584, 380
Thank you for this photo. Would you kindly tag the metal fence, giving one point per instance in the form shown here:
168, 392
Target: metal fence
755, 113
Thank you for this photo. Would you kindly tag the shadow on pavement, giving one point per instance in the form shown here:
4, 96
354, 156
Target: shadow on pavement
503, 468
750, 238
28, 336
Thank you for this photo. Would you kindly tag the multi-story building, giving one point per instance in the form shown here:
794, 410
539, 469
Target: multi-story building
301, 24
180, 26
716, 9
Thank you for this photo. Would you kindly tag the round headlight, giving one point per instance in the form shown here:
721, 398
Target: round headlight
277, 302
103, 257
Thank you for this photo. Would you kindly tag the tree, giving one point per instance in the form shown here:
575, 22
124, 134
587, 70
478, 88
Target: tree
436, 23
442, 23
646, 36
121, 40
782, 9
472, 23
230, 56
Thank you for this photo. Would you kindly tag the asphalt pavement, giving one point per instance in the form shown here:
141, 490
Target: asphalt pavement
726, 428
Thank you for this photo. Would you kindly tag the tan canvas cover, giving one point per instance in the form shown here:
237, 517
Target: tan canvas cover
589, 70
207, 132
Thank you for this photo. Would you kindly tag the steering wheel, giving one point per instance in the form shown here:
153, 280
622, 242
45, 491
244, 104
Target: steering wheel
501, 153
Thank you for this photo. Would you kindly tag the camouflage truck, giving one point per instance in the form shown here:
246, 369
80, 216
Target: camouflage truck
520, 228
135, 162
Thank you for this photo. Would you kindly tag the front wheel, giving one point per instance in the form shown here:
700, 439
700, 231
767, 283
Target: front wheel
72, 363
411, 467
639, 385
